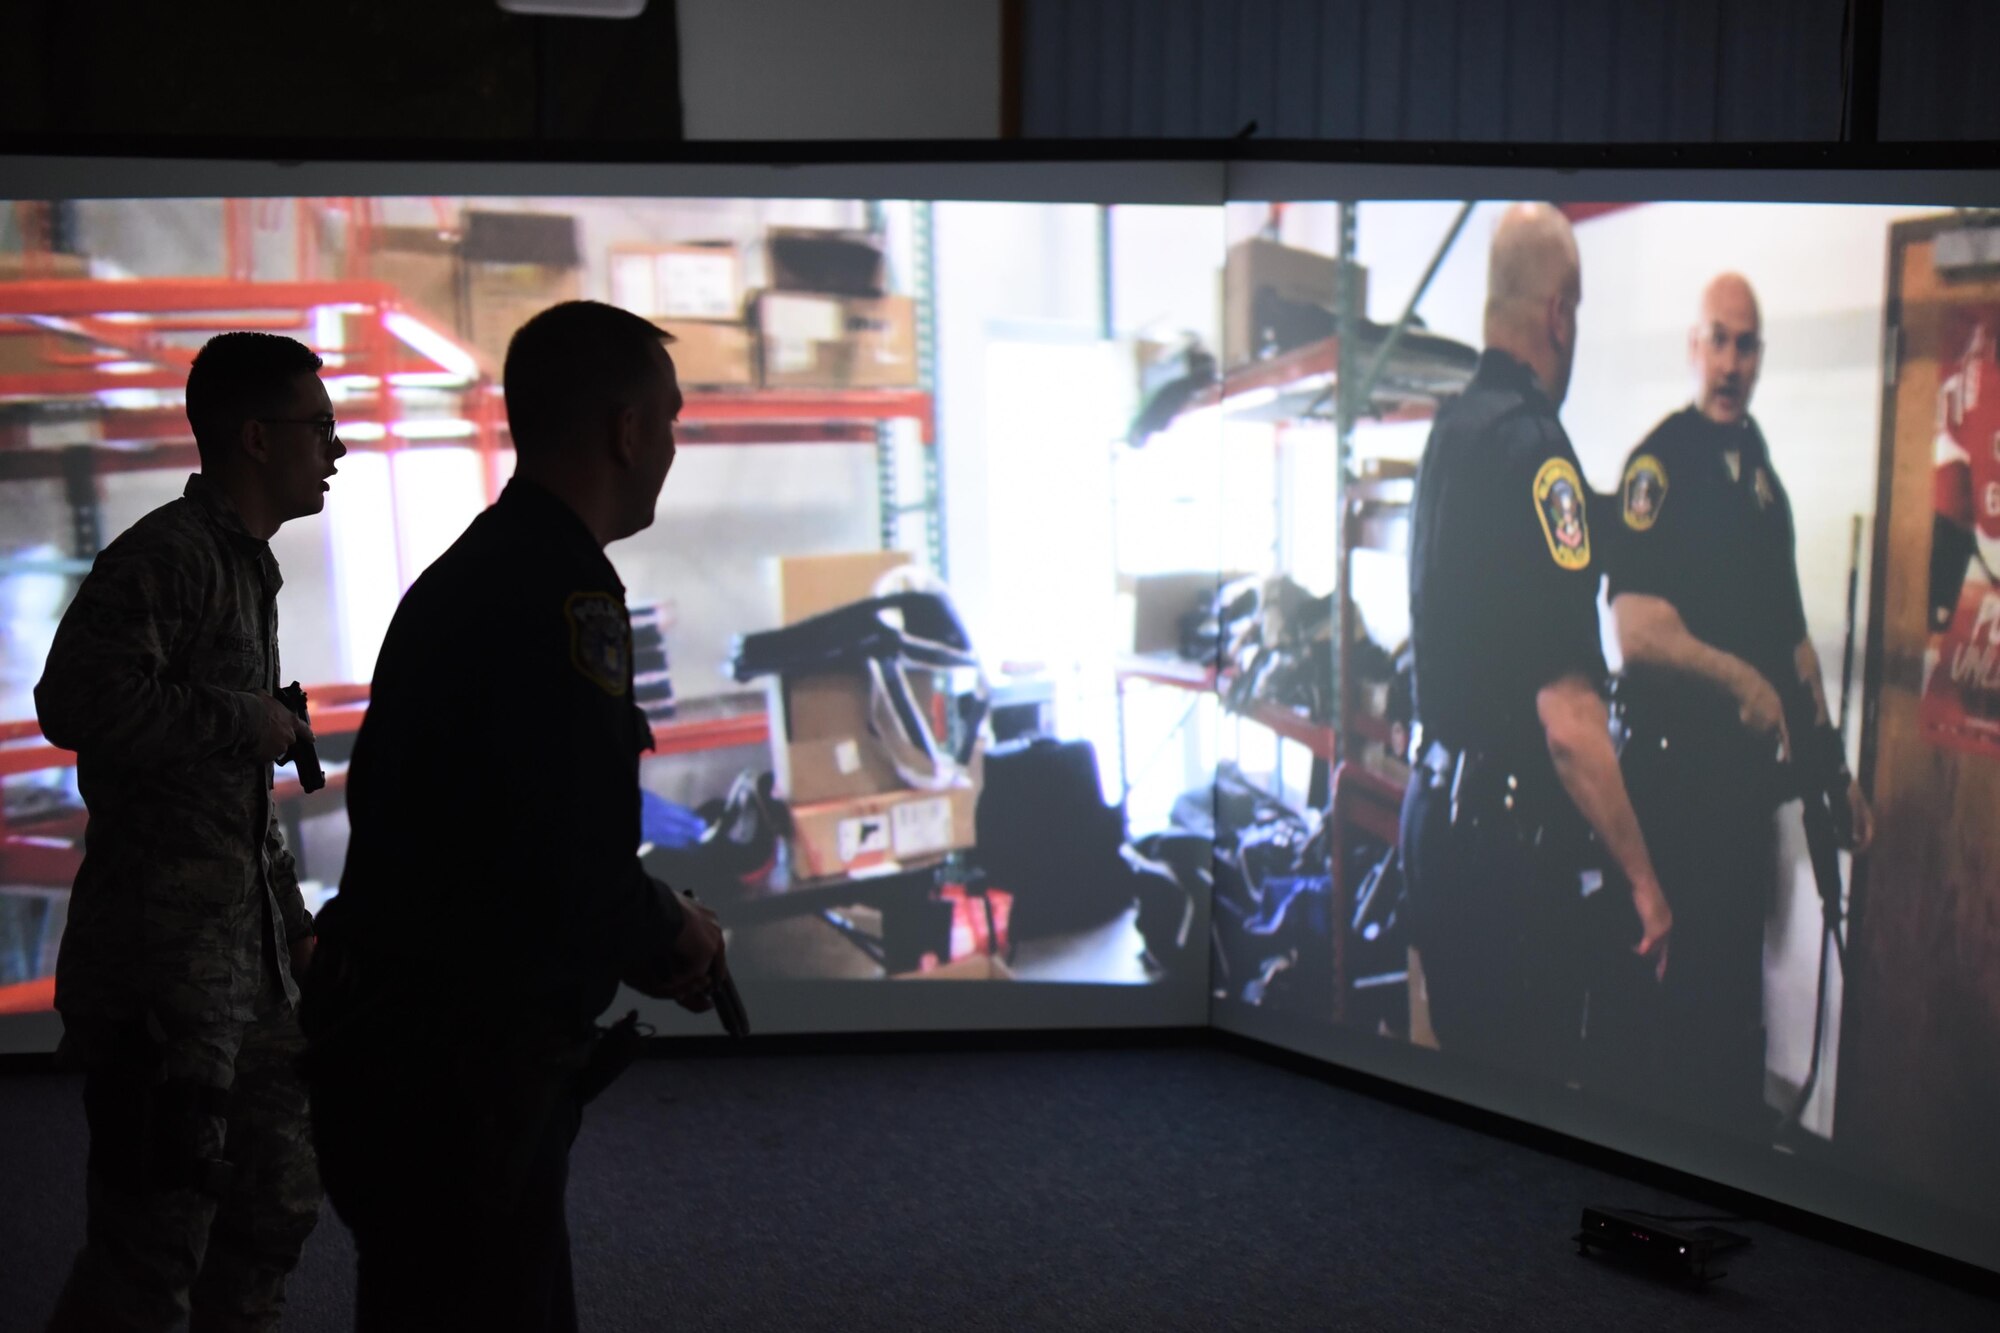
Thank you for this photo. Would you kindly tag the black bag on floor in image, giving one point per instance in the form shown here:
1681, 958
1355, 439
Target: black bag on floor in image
1047, 837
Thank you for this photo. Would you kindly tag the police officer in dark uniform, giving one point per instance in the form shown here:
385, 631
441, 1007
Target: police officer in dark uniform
493, 898
1726, 715
1515, 766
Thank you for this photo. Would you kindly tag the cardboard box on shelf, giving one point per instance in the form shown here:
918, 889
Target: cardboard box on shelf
831, 262
422, 264
516, 266
811, 584
711, 355
802, 341
28, 350
33, 351
1301, 276
879, 832
1160, 600
822, 746
696, 280
17, 267
883, 333
811, 341
823, 750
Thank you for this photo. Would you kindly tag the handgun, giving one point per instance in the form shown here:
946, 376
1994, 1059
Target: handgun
728, 1004
729, 1008
302, 756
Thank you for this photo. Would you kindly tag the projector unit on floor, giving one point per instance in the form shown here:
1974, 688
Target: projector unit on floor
1684, 1252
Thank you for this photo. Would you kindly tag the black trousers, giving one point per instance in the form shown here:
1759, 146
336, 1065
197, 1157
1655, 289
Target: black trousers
1493, 920
1693, 1046
452, 1179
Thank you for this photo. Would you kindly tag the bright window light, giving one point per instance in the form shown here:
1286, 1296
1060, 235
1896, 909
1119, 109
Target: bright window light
426, 379
423, 338
433, 428
329, 329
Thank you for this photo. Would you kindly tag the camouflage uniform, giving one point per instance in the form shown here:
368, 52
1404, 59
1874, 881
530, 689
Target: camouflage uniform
174, 979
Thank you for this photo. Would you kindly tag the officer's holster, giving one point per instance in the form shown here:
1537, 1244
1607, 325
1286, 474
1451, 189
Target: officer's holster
611, 1053
1482, 791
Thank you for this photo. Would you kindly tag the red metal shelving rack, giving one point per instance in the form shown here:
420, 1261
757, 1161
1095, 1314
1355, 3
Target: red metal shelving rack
100, 340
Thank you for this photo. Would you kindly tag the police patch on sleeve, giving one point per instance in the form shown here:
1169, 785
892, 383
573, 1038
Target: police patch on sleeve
1559, 502
600, 639
1645, 490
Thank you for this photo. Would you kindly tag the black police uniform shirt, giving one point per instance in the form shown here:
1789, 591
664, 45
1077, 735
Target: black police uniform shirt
493, 793
1706, 525
1504, 569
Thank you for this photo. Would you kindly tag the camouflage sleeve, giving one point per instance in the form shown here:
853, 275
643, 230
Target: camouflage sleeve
105, 687
285, 879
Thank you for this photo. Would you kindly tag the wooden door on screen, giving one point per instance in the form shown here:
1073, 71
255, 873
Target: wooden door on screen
1919, 1068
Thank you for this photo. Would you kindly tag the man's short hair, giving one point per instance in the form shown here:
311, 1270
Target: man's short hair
238, 377
571, 363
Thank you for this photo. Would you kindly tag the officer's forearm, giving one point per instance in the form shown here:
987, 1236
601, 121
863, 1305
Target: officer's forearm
1577, 725
1651, 633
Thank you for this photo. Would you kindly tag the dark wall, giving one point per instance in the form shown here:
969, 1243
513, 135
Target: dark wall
376, 69
1550, 71
1938, 60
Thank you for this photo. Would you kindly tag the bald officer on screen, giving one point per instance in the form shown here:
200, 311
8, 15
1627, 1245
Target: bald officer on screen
1514, 766
1726, 710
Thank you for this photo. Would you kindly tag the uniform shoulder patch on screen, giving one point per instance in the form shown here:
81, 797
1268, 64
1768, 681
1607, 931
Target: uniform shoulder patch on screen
600, 639
1559, 504
1645, 490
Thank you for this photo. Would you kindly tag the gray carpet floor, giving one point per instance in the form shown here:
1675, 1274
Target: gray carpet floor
1166, 1188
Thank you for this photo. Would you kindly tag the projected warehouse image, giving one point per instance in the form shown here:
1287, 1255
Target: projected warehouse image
885, 717
1544, 653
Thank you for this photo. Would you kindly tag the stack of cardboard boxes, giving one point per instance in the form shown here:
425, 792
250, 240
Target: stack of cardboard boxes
695, 292
824, 321
485, 281
827, 320
851, 813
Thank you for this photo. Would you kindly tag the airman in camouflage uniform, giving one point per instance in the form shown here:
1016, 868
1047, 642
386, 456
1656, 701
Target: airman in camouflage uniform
176, 974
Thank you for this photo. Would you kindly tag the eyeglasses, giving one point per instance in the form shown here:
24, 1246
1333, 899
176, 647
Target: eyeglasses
327, 425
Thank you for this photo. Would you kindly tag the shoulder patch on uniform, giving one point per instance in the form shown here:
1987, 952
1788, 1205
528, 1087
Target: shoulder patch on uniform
600, 639
1559, 504
1644, 490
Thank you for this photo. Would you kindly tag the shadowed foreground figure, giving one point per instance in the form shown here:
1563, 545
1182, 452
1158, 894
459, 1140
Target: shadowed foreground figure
186, 928
493, 897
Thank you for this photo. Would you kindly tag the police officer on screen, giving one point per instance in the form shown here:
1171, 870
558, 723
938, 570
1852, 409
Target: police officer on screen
1722, 683
1515, 769
493, 898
